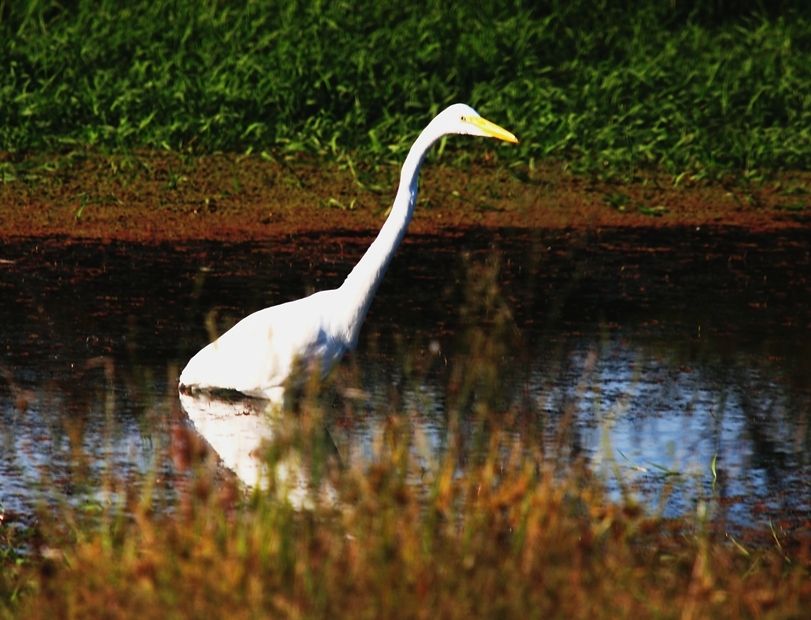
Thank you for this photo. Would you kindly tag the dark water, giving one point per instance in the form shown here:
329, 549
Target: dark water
653, 354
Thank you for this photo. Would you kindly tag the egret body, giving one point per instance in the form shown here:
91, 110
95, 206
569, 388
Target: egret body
258, 354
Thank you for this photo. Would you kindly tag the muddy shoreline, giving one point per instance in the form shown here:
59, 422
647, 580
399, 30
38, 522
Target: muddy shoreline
166, 197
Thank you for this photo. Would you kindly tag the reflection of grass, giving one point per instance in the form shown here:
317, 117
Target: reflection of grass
688, 86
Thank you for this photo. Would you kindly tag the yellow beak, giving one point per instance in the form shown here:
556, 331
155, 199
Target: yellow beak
491, 129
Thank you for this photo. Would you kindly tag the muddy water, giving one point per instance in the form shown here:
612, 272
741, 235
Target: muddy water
676, 361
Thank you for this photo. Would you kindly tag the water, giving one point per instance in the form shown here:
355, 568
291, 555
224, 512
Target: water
675, 361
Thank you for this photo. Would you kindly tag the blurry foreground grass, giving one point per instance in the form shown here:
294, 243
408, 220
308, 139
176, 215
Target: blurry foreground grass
508, 535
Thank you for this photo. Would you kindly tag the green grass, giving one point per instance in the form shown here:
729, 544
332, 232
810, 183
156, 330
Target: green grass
681, 86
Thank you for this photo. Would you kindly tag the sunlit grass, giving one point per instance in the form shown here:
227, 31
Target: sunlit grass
507, 536
687, 87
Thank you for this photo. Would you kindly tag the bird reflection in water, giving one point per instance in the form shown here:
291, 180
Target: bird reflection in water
241, 430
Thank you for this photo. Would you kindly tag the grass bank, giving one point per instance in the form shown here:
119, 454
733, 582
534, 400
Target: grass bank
680, 87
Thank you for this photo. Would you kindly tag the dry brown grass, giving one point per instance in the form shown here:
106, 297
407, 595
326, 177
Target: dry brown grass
506, 537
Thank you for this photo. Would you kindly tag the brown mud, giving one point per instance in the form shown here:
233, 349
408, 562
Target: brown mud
171, 197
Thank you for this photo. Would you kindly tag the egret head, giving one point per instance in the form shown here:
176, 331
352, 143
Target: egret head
462, 119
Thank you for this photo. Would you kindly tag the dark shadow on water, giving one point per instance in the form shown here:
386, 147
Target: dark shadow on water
653, 353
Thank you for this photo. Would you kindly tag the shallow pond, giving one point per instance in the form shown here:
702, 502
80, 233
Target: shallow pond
675, 361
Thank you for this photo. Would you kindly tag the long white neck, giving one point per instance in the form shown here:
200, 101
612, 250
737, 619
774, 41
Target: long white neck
361, 284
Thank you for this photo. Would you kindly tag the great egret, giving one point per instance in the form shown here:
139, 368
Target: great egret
237, 429
258, 354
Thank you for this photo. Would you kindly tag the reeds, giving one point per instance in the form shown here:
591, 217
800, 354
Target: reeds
507, 536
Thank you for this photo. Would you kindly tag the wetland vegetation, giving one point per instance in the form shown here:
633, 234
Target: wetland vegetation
129, 131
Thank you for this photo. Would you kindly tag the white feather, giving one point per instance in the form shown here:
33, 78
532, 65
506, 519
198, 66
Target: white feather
258, 354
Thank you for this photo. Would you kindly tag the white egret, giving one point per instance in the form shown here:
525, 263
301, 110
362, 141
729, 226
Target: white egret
258, 354
238, 429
